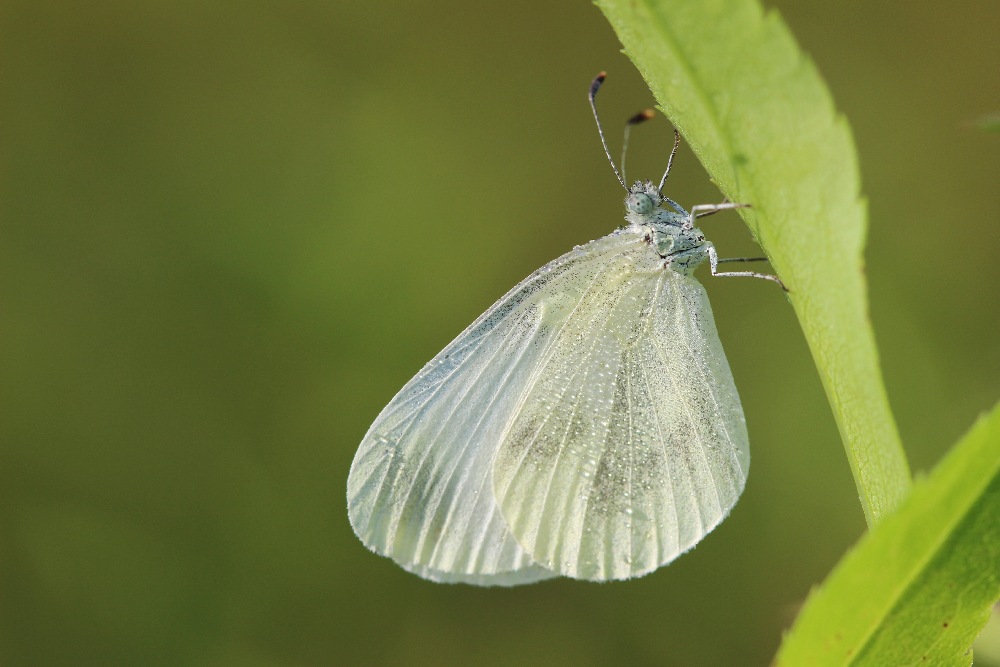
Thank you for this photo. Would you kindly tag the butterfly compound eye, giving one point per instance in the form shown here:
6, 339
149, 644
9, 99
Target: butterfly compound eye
640, 203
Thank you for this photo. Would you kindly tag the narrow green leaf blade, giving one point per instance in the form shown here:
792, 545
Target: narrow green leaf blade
760, 119
919, 588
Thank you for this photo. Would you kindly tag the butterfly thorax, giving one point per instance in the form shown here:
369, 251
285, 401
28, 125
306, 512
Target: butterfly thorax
667, 226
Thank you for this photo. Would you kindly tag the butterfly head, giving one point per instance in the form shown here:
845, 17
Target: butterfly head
644, 206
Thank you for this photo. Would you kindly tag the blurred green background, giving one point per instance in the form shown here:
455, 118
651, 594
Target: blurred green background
230, 232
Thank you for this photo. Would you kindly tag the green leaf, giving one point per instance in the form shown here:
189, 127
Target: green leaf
759, 117
917, 589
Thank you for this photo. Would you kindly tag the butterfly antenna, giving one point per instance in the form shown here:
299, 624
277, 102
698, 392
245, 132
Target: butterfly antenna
594, 87
670, 160
640, 117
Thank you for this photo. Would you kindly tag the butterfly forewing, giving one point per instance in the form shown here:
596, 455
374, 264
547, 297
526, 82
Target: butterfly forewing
528, 574
632, 445
420, 486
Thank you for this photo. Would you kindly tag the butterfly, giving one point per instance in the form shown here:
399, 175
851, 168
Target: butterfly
586, 425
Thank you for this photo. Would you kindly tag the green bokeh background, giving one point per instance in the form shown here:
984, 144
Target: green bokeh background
230, 232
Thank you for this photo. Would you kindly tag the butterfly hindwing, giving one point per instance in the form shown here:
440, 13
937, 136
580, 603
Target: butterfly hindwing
632, 445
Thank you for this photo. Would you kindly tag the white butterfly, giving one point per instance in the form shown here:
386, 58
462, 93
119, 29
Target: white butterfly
586, 425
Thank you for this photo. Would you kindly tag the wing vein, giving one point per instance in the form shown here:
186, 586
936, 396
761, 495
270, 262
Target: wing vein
701, 446
460, 457
722, 422
444, 423
687, 411
663, 440
543, 362
563, 443
630, 353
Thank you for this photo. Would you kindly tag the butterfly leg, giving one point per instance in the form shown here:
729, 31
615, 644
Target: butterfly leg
714, 261
701, 210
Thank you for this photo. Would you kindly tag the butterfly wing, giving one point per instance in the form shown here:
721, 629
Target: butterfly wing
420, 487
632, 445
